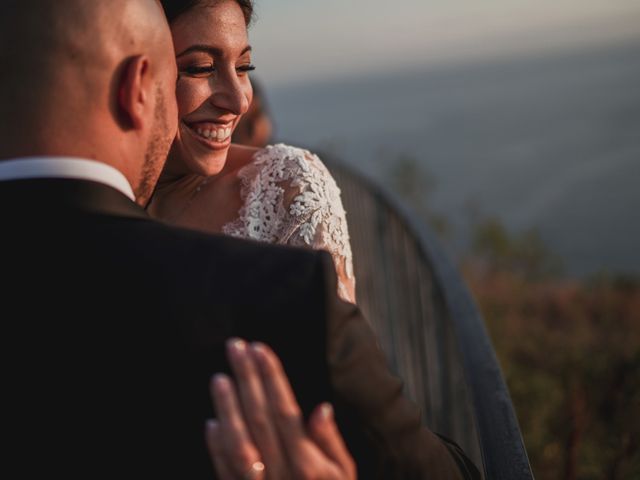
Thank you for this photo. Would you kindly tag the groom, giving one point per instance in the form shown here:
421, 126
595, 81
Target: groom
113, 323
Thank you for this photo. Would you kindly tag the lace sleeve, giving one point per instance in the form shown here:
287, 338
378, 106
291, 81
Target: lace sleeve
318, 219
290, 198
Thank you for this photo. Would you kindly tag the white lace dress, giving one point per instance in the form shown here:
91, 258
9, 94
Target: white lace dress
290, 198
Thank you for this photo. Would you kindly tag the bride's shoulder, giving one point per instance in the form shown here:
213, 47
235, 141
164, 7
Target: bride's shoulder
289, 162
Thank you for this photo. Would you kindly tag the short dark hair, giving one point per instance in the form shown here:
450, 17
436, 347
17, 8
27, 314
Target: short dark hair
174, 8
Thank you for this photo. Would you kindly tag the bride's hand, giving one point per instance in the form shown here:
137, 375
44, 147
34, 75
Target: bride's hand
260, 433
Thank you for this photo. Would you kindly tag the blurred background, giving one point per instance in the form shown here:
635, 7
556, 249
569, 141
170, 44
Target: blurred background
513, 127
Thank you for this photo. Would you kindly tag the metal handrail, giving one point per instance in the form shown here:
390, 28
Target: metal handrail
504, 456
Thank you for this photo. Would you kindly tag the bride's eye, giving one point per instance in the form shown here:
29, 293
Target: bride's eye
198, 70
242, 69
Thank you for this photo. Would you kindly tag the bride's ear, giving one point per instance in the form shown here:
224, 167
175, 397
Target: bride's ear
134, 93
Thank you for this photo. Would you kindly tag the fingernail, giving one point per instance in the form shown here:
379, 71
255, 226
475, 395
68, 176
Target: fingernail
211, 431
220, 382
326, 410
259, 351
211, 425
238, 345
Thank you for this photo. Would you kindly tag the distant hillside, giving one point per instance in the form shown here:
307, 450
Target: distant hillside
551, 142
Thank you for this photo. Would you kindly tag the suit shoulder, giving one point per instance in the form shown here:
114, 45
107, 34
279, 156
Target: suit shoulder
247, 263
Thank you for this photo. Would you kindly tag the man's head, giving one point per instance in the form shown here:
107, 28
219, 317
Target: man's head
88, 78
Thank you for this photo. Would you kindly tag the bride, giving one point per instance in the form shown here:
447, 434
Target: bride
279, 194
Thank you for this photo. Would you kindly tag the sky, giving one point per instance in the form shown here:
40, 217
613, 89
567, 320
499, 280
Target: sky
299, 41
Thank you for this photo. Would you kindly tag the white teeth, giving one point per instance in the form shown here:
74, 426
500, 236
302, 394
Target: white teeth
218, 135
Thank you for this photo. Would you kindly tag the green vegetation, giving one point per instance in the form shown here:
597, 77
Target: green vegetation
570, 352
569, 349
524, 254
416, 186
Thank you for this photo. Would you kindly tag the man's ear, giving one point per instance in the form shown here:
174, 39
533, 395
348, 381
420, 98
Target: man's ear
134, 92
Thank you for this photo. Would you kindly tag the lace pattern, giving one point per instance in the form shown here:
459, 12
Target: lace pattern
290, 198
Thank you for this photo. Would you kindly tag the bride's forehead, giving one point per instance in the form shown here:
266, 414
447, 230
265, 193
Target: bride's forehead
217, 23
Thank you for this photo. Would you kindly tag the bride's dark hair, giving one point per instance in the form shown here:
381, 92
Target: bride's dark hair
174, 8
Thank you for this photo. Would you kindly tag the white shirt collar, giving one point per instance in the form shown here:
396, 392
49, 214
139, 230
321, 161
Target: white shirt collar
65, 167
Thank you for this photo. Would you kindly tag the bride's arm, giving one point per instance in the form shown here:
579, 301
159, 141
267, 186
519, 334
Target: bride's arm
290, 198
317, 218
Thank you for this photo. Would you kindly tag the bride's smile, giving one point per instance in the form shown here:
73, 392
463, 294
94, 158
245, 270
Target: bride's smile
213, 135
213, 88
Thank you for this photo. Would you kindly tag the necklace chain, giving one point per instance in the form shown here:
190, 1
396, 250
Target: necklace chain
190, 200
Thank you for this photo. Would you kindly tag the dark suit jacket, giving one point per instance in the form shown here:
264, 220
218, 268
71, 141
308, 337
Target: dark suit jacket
113, 325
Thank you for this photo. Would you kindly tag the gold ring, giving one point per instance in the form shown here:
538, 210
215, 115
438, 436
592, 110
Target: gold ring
256, 469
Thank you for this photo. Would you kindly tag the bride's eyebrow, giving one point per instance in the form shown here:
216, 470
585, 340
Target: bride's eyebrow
213, 51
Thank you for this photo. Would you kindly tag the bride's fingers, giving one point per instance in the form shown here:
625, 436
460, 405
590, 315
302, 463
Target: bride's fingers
254, 403
324, 431
237, 447
287, 414
215, 442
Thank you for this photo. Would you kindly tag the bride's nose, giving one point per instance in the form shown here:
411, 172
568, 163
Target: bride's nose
229, 92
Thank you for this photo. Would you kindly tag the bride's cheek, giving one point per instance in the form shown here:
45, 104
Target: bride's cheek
189, 96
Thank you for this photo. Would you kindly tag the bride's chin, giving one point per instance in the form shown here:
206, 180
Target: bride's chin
211, 164
191, 159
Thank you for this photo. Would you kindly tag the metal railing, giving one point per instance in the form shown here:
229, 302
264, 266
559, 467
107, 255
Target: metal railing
430, 327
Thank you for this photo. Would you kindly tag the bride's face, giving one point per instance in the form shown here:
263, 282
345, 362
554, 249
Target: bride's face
213, 88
